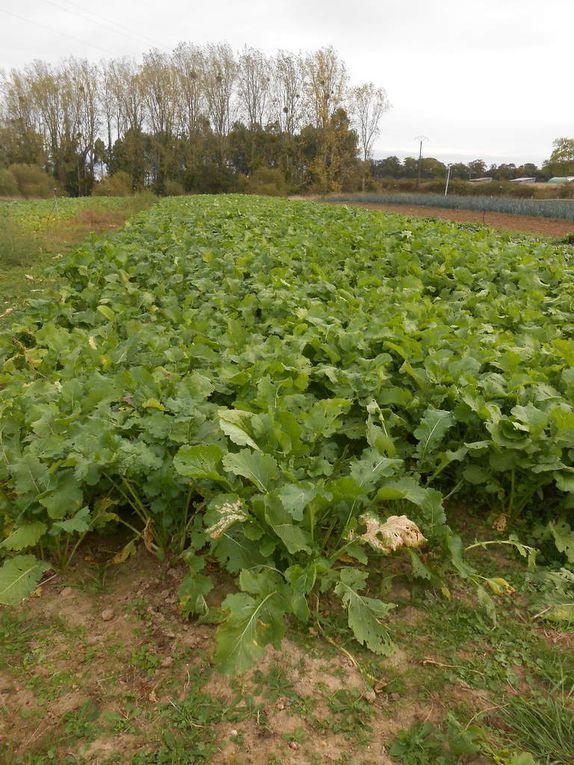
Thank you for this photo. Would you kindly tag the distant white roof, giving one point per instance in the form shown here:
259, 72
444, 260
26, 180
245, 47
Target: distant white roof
562, 179
523, 180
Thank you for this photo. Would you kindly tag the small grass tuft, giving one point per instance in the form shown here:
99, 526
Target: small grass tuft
542, 726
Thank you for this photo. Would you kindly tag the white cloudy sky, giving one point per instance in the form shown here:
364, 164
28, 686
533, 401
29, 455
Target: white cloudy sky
480, 78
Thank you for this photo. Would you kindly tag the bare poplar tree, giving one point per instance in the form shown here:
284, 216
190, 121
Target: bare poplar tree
159, 87
288, 86
219, 77
254, 87
368, 103
80, 90
46, 97
189, 64
325, 84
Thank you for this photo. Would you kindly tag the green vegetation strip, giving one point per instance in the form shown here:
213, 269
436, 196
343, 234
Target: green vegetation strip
547, 208
38, 214
265, 385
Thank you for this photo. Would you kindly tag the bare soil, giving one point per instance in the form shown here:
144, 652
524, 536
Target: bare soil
99, 666
121, 647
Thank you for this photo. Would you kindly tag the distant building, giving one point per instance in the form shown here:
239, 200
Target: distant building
486, 179
523, 180
562, 179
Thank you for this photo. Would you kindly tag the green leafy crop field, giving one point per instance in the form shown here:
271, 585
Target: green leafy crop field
35, 232
289, 392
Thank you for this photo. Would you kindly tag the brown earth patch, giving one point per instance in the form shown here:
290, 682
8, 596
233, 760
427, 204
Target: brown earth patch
120, 647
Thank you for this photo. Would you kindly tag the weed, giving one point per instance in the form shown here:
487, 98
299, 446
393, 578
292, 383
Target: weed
543, 726
350, 715
17, 247
81, 723
275, 684
143, 659
16, 632
190, 726
123, 721
424, 743
97, 578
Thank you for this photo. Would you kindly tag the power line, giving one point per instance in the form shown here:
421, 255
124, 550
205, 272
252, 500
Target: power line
120, 29
58, 31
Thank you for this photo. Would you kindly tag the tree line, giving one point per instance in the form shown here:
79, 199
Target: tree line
560, 162
200, 118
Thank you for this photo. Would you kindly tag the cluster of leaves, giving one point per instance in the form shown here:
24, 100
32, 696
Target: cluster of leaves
261, 383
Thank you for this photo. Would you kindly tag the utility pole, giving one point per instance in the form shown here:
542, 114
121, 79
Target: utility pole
447, 179
420, 139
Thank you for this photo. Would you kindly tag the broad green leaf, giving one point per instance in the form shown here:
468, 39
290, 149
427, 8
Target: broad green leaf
378, 435
260, 469
456, 549
252, 624
234, 424
106, 311
509, 434
560, 613
295, 498
420, 571
192, 591
371, 467
475, 474
533, 418
432, 429
199, 462
19, 577
364, 614
293, 536
524, 758
301, 581
344, 489
80, 523
323, 418
563, 536
487, 603
64, 498
235, 551
24, 536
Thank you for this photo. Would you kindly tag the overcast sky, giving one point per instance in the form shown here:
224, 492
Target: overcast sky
481, 78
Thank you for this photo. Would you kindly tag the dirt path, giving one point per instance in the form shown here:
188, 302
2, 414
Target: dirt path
523, 223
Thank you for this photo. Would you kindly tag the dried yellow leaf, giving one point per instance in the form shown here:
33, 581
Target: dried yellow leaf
396, 532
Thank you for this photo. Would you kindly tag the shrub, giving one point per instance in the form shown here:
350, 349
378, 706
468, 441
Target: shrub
173, 189
117, 185
268, 181
32, 181
8, 185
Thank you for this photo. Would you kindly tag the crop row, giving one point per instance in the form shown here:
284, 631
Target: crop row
546, 208
288, 389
